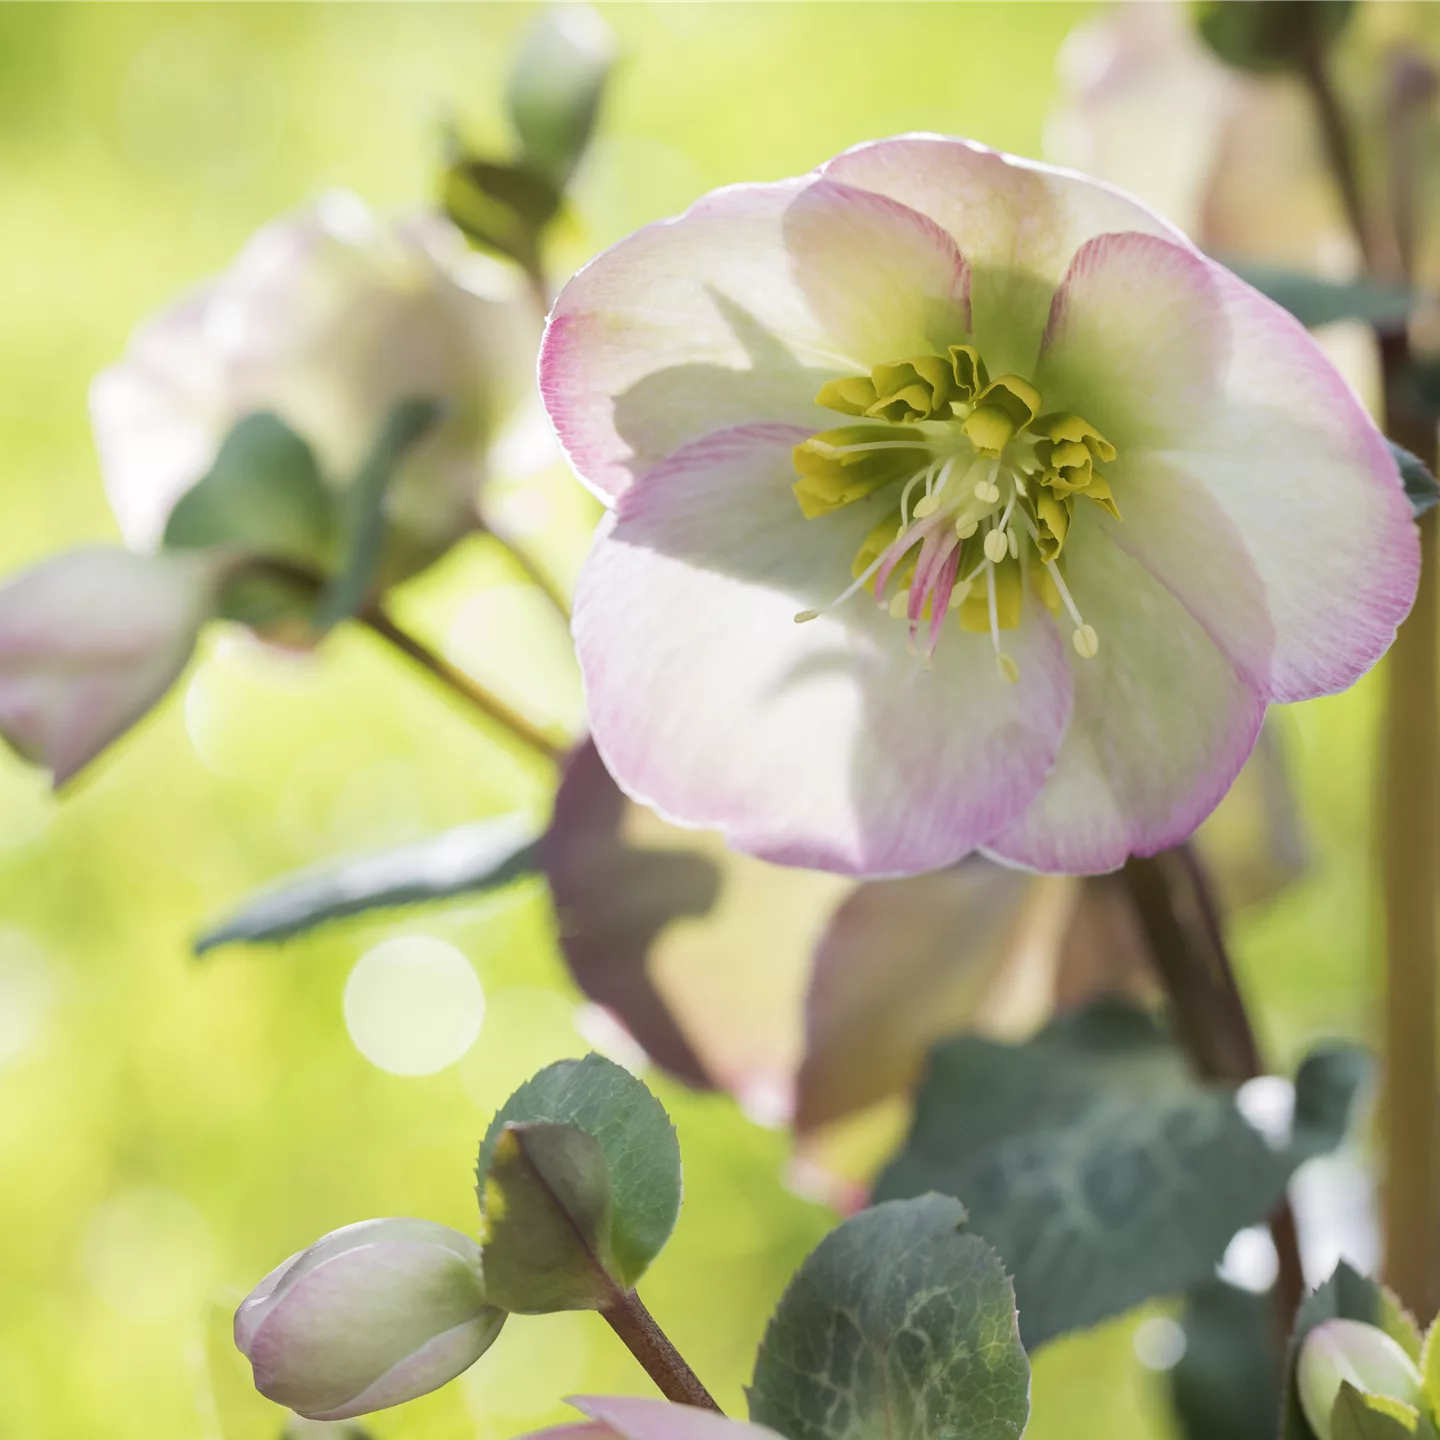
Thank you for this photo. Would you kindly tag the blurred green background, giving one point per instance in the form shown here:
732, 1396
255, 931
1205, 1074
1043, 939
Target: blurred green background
170, 1130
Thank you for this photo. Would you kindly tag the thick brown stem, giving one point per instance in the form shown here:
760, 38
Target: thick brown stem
1409, 861
1172, 898
661, 1361
1335, 134
459, 683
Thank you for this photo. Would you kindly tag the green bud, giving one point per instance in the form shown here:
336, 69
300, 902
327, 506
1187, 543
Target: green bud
1270, 35
555, 87
1340, 1352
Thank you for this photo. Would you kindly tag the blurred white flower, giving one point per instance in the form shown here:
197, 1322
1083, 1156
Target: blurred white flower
328, 318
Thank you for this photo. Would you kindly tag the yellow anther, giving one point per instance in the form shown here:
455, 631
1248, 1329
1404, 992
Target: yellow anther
899, 603
959, 594
987, 492
805, 615
926, 506
965, 528
1014, 545
1086, 642
996, 546
1009, 670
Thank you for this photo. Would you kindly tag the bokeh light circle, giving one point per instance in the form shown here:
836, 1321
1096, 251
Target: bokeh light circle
413, 1005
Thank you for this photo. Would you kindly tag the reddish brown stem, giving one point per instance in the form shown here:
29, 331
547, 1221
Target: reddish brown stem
1182, 925
661, 1361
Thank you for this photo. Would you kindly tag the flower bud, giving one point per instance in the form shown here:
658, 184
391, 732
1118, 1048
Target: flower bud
328, 318
1338, 1351
369, 1316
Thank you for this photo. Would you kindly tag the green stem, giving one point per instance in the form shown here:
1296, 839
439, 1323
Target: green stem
1172, 898
661, 1361
1409, 862
459, 683
533, 572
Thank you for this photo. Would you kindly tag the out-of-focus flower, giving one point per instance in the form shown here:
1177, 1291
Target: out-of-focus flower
328, 318
971, 385
369, 1316
89, 641
1340, 1352
762, 981
626, 1417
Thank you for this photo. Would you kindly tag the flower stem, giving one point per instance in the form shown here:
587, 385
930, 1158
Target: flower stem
1409, 861
533, 571
1172, 898
661, 1361
375, 617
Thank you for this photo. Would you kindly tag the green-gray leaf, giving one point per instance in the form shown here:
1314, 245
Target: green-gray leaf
1421, 487
635, 1136
470, 859
1313, 301
546, 1240
1264, 36
899, 1325
1097, 1165
1226, 1386
1346, 1295
363, 543
263, 493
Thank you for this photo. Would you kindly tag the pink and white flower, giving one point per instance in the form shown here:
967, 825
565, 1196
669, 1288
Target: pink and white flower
956, 383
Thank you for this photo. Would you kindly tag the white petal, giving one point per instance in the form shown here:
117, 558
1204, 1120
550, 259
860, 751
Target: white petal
1161, 726
823, 744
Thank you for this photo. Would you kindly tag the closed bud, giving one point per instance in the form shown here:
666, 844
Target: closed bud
1338, 1352
328, 318
556, 85
367, 1317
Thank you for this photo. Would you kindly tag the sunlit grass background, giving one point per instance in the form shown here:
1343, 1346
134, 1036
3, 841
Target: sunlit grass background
170, 1130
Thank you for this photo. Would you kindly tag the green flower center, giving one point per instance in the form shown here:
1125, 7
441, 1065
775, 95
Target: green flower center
981, 487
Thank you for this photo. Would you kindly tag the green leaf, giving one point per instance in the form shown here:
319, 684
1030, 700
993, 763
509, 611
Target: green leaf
263, 493
363, 544
1264, 36
1429, 1363
636, 1138
1313, 301
1361, 1416
500, 208
901, 1325
1226, 1386
556, 84
1097, 1165
1346, 1295
470, 859
1421, 487
546, 1240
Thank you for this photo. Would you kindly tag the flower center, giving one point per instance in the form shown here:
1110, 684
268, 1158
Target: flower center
981, 491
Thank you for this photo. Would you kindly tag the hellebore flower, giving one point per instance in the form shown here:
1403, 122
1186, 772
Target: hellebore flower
932, 381
1349, 1352
328, 317
369, 1316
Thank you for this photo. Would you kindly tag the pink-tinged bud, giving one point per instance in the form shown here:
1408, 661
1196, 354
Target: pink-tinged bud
1340, 1351
370, 1316
89, 641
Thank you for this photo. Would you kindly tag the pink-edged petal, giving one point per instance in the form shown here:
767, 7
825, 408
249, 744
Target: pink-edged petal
737, 312
1136, 341
89, 641
1162, 724
823, 744
1016, 221
1310, 485
577, 1430
644, 1419
614, 899
903, 963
